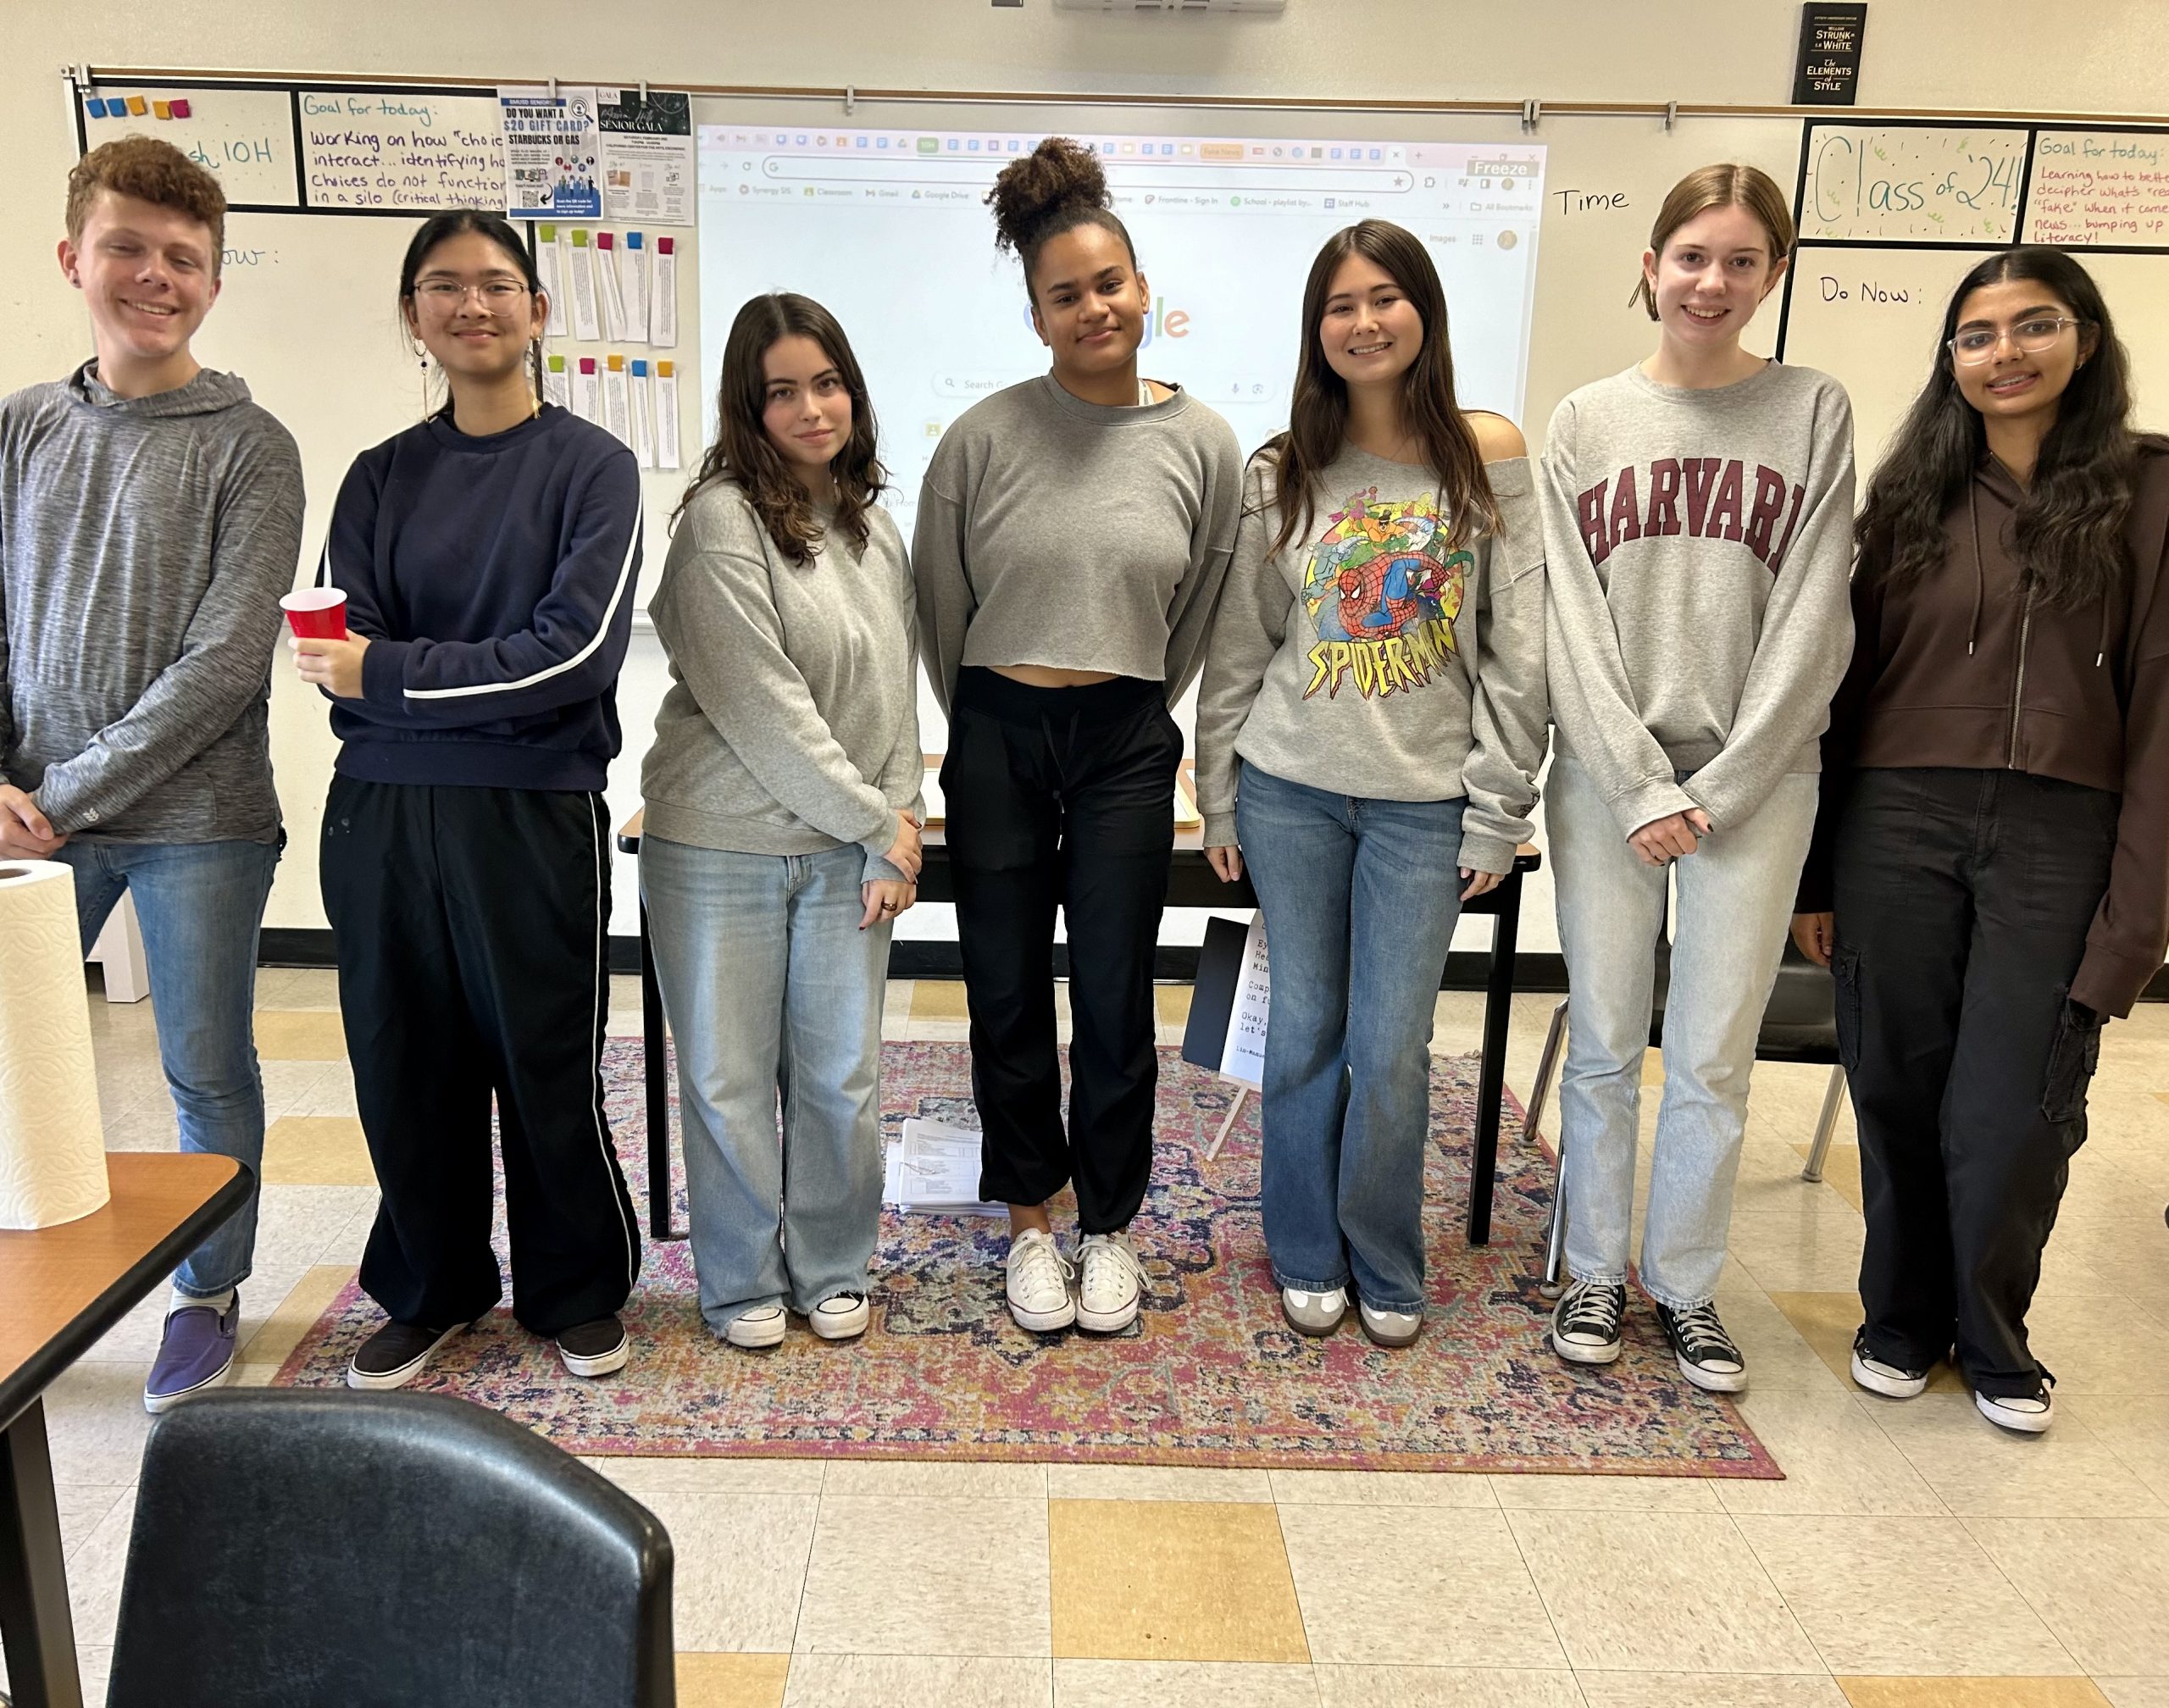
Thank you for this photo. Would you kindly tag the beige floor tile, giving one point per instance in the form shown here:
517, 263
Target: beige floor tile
1171, 1004
670, 1475
1172, 1580
273, 1340
938, 998
936, 1479
1777, 1356
2135, 1692
1841, 1167
1828, 1321
299, 987
740, 1566
1182, 1684
1659, 1592
1708, 1690
869, 1591
1790, 1252
1980, 1470
148, 1126
1902, 1596
889, 1681
317, 1151
2100, 1584
1837, 1460
2135, 1429
1383, 1489
1580, 1494
1972, 1692
1446, 1687
95, 1421
1461, 1595
1156, 1483
290, 1036
95, 1567
297, 1226
85, 1506
2072, 1336
731, 1681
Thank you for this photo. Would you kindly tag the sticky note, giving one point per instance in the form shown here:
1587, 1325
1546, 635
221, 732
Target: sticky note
579, 238
587, 364
556, 365
162, 109
617, 364
665, 370
640, 368
602, 240
179, 108
546, 234
138, 106
632, 239
95, 106
666, 246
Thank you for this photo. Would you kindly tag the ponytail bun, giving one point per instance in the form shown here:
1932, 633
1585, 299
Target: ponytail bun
1057, 185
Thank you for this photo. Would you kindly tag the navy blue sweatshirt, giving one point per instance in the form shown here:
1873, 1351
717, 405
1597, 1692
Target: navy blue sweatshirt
493, 577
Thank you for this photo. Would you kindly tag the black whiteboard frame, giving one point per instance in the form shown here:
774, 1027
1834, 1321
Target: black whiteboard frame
2033, 133
293, 92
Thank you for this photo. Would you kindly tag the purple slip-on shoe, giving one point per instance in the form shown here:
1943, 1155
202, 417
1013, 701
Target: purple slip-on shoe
196, 1352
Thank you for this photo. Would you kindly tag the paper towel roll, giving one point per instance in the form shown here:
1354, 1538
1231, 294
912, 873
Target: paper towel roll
52, 1141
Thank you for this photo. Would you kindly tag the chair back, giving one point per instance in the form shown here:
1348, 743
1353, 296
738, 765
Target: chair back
303, 1547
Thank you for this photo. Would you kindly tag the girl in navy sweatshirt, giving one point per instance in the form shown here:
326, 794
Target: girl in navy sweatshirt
488, 557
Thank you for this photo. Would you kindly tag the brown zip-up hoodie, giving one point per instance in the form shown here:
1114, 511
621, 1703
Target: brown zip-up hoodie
1965, 668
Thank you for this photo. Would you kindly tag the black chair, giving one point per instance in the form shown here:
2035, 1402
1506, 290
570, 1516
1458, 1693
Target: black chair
1800, 1024
297, 1547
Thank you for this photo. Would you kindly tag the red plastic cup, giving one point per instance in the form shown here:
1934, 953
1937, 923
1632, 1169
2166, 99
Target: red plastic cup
316, 613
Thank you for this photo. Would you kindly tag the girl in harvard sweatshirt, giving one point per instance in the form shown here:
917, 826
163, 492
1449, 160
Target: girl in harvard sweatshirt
1368, 736
488, 556
1994, 836
1697, 510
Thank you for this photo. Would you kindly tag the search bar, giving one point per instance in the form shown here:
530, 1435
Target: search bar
1123, 175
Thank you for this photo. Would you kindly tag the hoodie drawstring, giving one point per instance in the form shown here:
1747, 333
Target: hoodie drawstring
1980, 574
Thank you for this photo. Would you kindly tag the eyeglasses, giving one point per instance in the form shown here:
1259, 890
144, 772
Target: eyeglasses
1979, 344
449, 293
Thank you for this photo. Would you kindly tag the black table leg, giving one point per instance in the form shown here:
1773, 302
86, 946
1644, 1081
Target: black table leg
1491, 1075
655, 1064
34, 1618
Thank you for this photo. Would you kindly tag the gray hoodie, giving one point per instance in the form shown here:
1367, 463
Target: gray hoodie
144, 545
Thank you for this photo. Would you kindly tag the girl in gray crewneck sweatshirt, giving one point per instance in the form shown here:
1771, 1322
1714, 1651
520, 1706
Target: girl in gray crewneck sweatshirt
782, 838
1697, 517
1370, 730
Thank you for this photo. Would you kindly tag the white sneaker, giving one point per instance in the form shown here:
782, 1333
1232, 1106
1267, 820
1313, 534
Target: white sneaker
1313, 1313
1389, 1328
761, 1326
841, 1317
1879, 1376
2027, 1414
1113, 1286
1039, 1283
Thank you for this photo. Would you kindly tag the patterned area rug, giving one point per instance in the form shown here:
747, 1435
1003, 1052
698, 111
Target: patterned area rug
1209, 1376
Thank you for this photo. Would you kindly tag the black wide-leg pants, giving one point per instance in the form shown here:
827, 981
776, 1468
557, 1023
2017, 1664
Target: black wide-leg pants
1962, 903
1061, 797
471, 929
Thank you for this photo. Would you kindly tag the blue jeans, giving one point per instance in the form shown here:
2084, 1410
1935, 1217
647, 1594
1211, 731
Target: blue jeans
1735, 906
200, 905
1360, 900
772, 990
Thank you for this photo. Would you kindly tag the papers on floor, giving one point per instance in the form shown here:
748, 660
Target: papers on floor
935, 1168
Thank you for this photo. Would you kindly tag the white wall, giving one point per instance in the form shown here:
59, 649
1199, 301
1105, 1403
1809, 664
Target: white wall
2094, 56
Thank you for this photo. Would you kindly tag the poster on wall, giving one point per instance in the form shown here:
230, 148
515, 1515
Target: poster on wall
647, 156
553, 165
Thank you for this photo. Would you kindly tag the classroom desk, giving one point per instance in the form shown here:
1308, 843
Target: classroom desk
60, 1289
1191, 882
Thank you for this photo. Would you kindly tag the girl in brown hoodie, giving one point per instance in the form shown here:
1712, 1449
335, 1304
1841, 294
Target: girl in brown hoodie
1989, 879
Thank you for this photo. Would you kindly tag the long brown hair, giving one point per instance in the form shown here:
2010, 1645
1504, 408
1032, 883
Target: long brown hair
1317, 419
743, 452
1726, 185
2069, 530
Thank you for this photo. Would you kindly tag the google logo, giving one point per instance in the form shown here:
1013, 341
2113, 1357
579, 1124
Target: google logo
1162, 322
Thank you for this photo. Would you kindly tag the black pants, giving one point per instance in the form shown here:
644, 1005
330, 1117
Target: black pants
1962, 904
470, 925
1061, 797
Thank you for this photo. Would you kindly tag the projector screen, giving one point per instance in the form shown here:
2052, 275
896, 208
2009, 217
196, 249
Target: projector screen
888, 230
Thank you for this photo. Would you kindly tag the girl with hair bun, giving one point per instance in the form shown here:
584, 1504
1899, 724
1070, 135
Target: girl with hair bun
1074, 531
1991, 866
1697, 513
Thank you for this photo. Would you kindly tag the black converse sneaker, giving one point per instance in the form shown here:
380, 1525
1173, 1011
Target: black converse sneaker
1585, 1322
1706, 1355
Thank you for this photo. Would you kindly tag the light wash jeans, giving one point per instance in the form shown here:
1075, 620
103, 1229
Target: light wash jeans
1359, 899
1735, 906
771, 989
200, 906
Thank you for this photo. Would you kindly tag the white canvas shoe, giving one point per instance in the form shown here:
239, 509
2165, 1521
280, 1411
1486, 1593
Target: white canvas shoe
1114, 1286
1039, 1283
